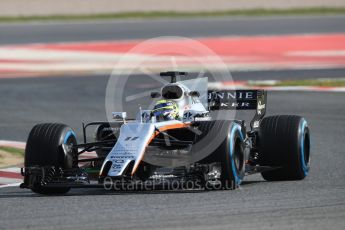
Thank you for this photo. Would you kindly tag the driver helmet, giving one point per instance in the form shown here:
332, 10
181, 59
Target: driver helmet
165, 110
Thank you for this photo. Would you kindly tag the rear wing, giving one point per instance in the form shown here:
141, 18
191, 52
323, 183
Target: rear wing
239, 100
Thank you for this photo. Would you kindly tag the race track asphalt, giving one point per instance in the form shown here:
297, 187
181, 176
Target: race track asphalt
318, 202
144, 29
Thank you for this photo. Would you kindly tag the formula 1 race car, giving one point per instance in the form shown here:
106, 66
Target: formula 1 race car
179, 141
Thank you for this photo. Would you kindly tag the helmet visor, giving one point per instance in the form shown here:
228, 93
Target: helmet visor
163, 115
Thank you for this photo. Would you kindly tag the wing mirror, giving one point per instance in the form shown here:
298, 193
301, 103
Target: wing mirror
155, 94
194, 94
120, 116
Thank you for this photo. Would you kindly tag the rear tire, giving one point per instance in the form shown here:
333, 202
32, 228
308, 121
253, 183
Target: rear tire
44, 148
284, 141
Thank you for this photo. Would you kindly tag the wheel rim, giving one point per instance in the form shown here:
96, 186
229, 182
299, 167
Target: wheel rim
305, 147
238, 155
70, 139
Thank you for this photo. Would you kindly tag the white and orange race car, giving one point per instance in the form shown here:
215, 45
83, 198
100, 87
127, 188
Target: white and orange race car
185, 141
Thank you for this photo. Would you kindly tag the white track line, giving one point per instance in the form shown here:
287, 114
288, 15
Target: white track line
10, 185
11, 170
221, 86
16, 144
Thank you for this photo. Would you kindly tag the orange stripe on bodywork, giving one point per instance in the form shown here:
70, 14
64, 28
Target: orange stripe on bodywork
162, 129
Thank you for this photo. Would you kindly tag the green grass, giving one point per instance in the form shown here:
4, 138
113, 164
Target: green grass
14, 151
313, 82
172, 14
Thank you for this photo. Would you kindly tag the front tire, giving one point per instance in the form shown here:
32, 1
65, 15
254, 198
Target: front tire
284, 142
44, 148
230, 152
232, 155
